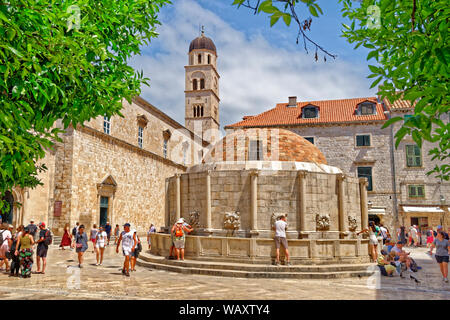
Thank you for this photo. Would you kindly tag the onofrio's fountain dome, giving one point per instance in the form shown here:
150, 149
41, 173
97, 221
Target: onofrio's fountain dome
264, 149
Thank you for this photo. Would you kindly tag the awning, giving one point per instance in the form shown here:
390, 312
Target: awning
423, 209
377, 211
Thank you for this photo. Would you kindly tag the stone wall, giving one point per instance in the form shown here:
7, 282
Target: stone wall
126, 129
278, 192
137, 198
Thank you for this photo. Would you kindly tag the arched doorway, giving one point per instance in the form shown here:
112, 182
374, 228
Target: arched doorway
8, 215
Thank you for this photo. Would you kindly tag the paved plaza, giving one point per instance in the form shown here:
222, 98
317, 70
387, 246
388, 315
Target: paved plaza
64, 280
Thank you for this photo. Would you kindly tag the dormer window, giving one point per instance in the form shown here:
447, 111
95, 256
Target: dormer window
366, 109
310, 112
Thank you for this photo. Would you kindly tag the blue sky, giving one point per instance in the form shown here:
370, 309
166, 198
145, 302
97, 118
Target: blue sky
259, 66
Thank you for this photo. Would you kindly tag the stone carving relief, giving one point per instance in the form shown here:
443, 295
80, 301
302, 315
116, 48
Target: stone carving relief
352, 224
232, 220
322, 222
194, 219
275, 217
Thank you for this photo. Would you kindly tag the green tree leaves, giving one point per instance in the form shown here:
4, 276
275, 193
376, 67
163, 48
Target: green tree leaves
51, 72
412, 51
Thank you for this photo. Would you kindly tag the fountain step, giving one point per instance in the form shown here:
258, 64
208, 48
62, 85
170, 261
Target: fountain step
254, 271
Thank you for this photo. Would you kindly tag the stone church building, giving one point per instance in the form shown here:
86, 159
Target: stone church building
115, 169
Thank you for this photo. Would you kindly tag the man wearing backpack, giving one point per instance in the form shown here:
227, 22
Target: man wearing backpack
75, 230
45, 239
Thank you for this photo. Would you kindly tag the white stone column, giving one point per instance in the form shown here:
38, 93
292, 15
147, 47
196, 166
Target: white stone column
208, 200
341, 196
167, 204
178, 196
363, 200
302, 201
254, 201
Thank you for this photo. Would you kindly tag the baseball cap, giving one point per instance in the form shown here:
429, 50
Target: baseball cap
181, 220
42, 224
399, 242
127, 225
439, 227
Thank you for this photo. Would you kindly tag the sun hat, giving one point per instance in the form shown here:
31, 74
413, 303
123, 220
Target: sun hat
181, 220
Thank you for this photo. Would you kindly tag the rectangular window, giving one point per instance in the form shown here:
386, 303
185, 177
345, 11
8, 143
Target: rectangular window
140, 136
366, 172
165, 148
416, 191
106, 125
413, 156
310, 139
363, 141
255, 150
366, 109
310, 112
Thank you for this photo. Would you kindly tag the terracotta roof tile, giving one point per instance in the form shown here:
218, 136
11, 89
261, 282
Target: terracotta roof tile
331, 111
398, 104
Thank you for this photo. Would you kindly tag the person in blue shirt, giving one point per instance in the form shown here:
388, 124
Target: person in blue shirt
108, 231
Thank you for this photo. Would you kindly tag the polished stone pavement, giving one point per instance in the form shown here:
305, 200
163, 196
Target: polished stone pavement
64, 280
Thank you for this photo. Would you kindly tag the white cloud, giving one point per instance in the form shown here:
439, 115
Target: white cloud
255, 74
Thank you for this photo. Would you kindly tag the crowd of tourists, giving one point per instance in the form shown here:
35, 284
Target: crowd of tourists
394, 260
18, 247
32, 242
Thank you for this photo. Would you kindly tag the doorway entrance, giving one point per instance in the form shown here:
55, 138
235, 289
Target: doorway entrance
8, 215
104, 202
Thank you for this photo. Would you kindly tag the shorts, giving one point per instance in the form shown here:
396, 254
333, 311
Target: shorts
373, 240
281, 240
100, 246
126, 251
441, 259
81, 249
41, 252
94, 241
179, 244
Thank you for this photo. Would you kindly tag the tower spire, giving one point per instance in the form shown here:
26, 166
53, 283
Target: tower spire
203, 30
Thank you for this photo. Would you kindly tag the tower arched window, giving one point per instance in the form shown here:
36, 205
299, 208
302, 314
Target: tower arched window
202, 83
195, 112
209, 59
199, 59
198, 111
201, 112
194, 84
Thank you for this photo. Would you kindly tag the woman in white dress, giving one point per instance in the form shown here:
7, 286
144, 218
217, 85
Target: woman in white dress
373, 241
102, 238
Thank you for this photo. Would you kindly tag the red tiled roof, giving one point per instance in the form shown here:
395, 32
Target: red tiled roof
331, 111
398, 104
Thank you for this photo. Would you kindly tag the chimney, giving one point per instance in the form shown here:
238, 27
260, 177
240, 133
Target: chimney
292, 102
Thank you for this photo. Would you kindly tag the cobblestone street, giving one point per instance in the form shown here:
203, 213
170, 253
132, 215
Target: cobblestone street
107, 282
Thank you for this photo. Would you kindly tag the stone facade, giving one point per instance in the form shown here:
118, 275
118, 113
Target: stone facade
90, 163
277, 192
337, 141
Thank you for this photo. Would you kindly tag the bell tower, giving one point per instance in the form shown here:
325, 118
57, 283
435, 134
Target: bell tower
202, 89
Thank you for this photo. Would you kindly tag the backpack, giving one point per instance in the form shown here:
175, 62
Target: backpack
179, 232
413, 266
48, 240
1, 237
74, 231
